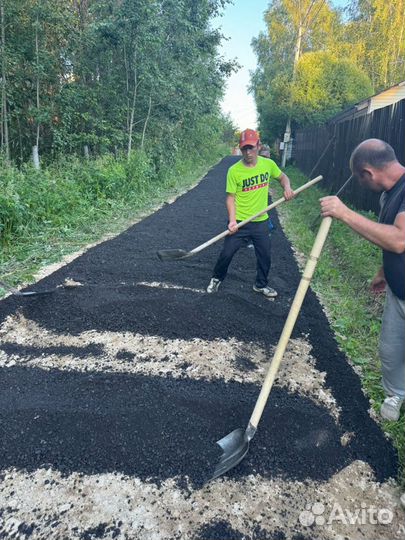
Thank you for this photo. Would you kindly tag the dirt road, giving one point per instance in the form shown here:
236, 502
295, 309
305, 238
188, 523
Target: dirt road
113, 393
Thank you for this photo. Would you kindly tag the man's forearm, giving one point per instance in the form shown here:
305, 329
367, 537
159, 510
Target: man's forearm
388, 237
231, 207
285, 181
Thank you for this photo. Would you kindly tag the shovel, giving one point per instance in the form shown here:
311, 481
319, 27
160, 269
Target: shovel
16, 292
177, 254
318, 217
236, 445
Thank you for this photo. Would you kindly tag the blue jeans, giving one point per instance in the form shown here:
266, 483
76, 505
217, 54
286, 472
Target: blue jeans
258, 233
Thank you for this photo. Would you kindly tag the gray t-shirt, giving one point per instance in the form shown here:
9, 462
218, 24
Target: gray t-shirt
392, 202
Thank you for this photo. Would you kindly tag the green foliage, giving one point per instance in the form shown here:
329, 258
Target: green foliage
49, 23
111, 76
313, 63
46, 214
374, 37
70, 189
324, 85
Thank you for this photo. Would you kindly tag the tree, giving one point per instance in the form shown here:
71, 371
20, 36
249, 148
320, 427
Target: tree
375, 40
33, 58
338, 61
291, 30
324, 85
109, 75
4, 114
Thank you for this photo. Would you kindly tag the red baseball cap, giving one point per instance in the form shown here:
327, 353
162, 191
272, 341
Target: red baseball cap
248, 137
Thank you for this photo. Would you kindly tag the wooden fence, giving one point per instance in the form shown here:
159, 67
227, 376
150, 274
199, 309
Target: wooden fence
337, 139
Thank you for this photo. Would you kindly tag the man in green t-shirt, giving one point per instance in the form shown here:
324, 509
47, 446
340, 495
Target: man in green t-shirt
247, 191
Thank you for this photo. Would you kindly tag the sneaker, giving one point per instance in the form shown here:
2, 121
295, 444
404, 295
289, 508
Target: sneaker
391, 407
213, 285
250, 245
268, 292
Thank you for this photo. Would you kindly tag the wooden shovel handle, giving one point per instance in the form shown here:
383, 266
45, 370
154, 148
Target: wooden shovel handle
291, 319
242, 223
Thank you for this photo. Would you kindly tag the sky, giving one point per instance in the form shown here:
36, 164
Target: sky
241, 21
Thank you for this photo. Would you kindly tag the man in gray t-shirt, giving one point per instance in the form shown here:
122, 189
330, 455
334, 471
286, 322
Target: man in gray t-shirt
375, 165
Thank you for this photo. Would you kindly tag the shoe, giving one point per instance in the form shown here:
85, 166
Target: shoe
268, 292
391, 407
213, 285
250, 245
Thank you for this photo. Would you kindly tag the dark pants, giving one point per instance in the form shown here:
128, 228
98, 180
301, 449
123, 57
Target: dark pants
258, 233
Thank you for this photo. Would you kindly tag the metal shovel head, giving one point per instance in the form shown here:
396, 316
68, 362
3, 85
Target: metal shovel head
172, 254
17, 292
235, 446
35, 293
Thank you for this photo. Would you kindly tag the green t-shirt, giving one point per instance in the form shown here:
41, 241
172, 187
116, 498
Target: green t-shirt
251, 186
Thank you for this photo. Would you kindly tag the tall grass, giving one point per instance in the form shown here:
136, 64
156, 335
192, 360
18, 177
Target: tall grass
47, 213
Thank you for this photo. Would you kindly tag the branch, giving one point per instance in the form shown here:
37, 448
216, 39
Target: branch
312, 21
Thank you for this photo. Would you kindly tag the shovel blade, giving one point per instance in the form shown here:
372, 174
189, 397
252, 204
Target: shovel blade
235, 446
35, 293
172, 254
17, 292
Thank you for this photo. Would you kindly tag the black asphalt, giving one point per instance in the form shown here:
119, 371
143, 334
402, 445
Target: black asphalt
159, 427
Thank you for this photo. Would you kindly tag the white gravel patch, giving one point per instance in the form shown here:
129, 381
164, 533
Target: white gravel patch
231, 359
57, 507
161, 285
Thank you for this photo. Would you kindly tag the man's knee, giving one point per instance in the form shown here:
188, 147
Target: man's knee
231, 246
391, 352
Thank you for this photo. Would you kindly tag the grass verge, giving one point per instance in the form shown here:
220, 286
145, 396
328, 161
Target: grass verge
344, 272
48, 214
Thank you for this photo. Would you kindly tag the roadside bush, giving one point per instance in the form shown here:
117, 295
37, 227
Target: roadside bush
67, 192
72, 193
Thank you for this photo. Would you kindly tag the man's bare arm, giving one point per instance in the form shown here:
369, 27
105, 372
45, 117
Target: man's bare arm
286, 185
231, 207
388, 237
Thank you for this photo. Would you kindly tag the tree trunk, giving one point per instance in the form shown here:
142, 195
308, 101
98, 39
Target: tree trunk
146, 122
132, 115
303, 26
126, 83
38, 104
20, 139
287, 133
35, 157
4, 124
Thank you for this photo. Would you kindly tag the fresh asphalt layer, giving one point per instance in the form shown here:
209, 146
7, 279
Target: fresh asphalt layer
159, 427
